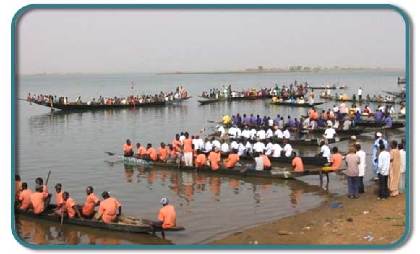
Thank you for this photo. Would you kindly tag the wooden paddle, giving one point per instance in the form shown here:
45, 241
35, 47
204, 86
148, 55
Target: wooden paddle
48, 177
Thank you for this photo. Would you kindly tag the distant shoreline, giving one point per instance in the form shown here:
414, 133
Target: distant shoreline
281, 71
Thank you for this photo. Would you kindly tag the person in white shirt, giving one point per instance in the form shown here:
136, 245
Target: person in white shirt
287, 150
241, 149
249, 148
278, 133
208, 146
402, 167
246, 133
199, 143
258, 147
225, 147
252, 133
270, 122
259, 163
232, 132
182, 138
234, 145
384, 160
325, 151
306, 123
269, 148
261, 134
286, 133
216, 143
359, 93
194, 142
269, 133
329, 133
221, 130
276, 150
362, 167
346, 124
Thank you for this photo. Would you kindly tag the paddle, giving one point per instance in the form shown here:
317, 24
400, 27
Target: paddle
48, 177
110, 153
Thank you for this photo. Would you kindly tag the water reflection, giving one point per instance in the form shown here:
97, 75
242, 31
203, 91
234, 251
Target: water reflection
44, 232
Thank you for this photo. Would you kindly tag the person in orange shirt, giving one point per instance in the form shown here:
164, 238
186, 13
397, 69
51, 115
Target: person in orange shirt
266, 161
163, 152
59, 201
38, 200
232, 159
151, 152
70, 208
173, 155
141, 151
88, 209
297, 163
109, 208
188, 150
336, 159
214, 158
25, 197
313, 115
39, 182
176, 143
201, 159
167, 214
128, 149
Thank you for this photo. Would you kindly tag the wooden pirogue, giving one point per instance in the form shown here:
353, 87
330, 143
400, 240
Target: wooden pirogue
373, 124
295, 104
273, 173
138, 226
85, 106
206, 100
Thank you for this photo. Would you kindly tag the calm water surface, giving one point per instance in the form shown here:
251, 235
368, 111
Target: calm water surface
72, 146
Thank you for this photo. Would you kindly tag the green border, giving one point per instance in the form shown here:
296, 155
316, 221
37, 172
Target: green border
408, 28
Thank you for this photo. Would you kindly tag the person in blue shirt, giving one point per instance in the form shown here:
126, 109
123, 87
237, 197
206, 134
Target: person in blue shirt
379, 116
375, 153
388, 121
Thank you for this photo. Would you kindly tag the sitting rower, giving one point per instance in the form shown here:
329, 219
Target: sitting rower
167, 214
38, 200
109, 209
70, 208
128, 149
214, 158
24, 197
336, 159
59, 201
39, 182
88, 209
141, 151
151, 153
232, 159
266, 161
163, 152
201, 159
297, 163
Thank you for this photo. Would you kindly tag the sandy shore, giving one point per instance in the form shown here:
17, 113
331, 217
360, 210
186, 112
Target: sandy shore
337, 221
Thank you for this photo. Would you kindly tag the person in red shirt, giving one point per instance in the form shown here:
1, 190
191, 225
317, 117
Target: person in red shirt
188, 150
151, 152
88, 209
24, 197
70, 208
128, 149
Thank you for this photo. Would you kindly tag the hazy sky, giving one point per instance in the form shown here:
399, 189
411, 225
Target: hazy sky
179, 40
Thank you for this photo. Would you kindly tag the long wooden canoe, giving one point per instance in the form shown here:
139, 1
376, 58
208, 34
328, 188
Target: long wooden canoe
294, 104
373, 124
327, 87
138, 226
85, 106
206, 101
350, 132
238, 171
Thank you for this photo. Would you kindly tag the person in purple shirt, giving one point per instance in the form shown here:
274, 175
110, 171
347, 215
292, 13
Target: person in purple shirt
290, 122
253, 119
258, 120
238, 120
244, 120
277, 120
388, 121
378, 116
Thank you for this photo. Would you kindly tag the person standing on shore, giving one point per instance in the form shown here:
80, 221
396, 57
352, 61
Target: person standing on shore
383, 171
352, 172
394, 170
375, 153
402, 167
362, 166
359, 93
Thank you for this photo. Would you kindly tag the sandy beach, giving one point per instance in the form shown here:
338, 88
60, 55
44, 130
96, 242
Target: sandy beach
339, 220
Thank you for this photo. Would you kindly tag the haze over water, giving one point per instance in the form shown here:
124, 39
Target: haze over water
72, 146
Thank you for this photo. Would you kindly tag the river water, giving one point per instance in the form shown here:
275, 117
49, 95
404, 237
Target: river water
73, 146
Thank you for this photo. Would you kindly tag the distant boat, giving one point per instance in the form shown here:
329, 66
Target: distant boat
401, 81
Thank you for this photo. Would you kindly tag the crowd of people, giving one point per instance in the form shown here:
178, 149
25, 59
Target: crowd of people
108, 210
179, 93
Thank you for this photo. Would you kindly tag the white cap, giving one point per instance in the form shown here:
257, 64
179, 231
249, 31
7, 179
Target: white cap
379, 134
164, 201
353, 137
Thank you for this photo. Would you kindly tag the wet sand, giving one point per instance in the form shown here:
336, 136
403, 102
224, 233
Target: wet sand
338, 221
